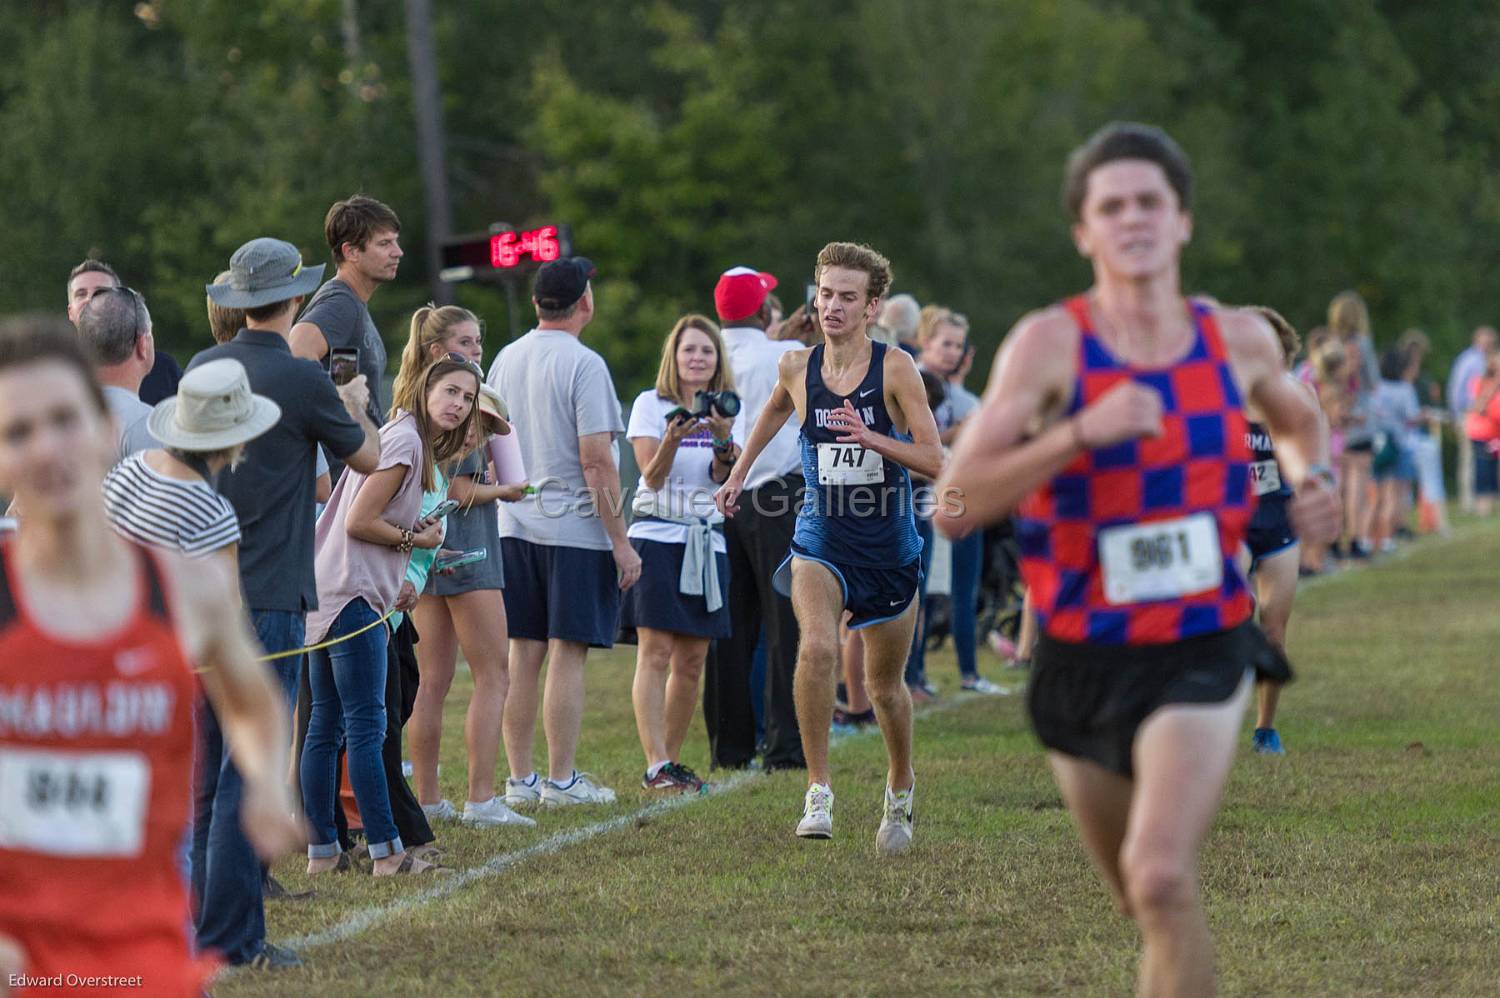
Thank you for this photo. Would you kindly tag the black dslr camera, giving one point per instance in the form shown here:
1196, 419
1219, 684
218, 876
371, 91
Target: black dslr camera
706, 404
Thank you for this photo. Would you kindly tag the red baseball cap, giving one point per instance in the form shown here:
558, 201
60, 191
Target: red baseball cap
740, 292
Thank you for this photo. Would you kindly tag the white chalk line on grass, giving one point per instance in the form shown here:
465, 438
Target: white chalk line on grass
365, 919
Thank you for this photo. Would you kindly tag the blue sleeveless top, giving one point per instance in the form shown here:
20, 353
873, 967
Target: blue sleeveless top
857, 505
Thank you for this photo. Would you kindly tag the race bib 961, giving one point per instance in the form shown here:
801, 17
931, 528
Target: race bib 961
1161, 560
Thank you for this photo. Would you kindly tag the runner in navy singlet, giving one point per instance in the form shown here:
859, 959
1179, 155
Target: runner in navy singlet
865, 421
1114, 421
1272, 539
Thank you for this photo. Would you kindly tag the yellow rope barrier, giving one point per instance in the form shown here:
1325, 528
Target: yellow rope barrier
326, 644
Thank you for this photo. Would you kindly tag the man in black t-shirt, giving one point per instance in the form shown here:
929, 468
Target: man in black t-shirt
272, 494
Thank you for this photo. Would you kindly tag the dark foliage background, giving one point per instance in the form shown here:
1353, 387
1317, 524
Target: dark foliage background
1339, 143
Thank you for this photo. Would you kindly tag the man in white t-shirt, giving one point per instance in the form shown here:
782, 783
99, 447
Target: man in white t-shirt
758, 540
565, 552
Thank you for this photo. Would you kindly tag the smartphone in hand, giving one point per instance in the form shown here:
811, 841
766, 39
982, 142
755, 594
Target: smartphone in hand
459, 559
343, 364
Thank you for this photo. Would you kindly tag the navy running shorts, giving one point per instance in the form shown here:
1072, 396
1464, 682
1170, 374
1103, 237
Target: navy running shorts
871, 595
572, 594
1270, 530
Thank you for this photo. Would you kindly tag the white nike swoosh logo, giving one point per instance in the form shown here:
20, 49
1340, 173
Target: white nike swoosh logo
895, 602
866, 392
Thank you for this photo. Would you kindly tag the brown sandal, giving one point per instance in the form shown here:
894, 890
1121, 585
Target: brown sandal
345, 864
408, 866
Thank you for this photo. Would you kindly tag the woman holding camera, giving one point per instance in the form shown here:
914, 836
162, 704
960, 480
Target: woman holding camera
464, 607
682, 444
364, 540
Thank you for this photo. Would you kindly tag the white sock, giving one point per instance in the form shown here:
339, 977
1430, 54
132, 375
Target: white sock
655, 768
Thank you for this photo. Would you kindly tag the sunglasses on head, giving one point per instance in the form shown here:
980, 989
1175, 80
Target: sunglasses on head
468, 364
122, 289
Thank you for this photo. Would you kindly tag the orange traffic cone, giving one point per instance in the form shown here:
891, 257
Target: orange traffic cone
346, 799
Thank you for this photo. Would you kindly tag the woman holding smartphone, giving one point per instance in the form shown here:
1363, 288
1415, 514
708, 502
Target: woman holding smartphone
462, 607
364, 541
680, 603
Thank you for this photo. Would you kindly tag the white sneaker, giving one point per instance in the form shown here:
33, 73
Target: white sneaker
981, 685
443, 810
521, 793
494, 812
583, 790
817, 813
894, 836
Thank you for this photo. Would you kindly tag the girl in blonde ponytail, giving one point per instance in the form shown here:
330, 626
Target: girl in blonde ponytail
432, 326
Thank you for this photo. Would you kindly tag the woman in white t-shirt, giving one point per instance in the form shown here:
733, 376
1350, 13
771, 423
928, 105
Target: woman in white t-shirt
680, 603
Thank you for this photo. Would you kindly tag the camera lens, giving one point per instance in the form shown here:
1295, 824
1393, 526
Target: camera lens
727, 403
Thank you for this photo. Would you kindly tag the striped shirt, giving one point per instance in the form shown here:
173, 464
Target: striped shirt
150, 508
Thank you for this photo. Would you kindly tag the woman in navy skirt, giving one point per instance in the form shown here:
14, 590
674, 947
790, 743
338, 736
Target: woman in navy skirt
680, 603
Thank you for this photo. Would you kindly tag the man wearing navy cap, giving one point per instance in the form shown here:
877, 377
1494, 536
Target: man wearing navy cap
758, 539
564, 550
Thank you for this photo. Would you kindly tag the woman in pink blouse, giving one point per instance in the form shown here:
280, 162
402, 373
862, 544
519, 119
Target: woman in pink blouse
364, 540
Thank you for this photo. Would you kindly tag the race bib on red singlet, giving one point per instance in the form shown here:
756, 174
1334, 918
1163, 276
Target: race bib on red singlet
849, 464
81, 804
1166, 559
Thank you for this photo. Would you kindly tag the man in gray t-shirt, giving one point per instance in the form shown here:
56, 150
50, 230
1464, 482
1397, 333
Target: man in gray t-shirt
117, 327
364, 237
564, 550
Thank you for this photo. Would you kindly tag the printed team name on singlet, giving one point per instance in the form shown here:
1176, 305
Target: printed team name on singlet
821, 415
117, 709
1265, 471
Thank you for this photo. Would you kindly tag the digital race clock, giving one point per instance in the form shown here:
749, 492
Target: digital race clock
504, 251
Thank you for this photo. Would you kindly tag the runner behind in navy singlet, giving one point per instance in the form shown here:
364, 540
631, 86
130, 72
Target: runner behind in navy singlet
865, 421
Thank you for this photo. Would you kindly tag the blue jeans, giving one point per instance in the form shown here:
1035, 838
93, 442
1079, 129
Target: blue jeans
916, 662
225, 872
348, 704
968, 562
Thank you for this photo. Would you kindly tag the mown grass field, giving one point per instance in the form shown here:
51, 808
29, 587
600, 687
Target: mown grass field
1366, 862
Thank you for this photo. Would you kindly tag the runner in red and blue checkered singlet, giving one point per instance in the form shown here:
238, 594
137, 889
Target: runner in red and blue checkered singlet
1134, 544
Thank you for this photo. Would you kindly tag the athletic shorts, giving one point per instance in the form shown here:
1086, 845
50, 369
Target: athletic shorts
1270, 529
1090, 700
571, 594
871, 595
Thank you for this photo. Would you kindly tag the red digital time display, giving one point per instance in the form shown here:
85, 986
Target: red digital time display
509, 250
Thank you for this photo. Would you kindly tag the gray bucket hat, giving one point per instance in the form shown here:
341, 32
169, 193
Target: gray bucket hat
265, 271
213, 409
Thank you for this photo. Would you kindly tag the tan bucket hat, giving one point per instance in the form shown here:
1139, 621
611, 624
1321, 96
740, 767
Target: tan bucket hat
213, 409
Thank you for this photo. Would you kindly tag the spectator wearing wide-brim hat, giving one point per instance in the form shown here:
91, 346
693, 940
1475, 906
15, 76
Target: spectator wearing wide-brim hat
166, 497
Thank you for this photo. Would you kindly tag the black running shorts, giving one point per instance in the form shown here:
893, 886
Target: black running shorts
1090, 700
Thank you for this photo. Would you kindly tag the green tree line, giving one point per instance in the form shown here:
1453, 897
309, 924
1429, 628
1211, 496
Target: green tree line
1338, 143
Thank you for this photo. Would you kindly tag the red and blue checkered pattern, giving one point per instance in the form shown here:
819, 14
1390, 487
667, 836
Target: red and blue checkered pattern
1200, 463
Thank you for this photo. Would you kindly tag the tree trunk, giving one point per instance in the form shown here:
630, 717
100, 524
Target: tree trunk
421, 57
